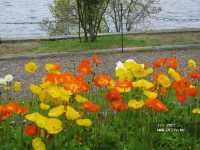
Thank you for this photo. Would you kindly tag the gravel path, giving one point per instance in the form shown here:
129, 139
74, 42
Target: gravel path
68, 62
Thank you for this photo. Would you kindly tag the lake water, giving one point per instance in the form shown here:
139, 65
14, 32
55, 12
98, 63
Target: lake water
16, 16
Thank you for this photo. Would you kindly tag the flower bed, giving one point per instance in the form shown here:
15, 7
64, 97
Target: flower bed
145, 106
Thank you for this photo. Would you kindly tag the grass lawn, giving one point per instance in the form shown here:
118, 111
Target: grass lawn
104, 42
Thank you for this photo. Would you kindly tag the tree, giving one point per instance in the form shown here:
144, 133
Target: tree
90, 14
65, 14
134, 11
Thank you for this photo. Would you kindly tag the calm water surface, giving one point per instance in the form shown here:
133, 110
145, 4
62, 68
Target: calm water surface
16, 15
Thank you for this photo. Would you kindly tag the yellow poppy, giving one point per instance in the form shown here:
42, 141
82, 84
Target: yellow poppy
35, 89
37, 144
32, 116
143, 84
44, 106
135, 104
192, 64
164, 81
52, 68
17, 86
53, 126
174, 74
150, 94
56, 111
30, 67
84, 122
80, 99
72, 114
41, 121
196, 111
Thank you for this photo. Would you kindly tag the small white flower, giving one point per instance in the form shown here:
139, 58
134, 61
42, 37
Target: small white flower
3, 81
119, 64
8, 77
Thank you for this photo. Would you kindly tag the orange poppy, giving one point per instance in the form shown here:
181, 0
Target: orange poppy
84, 87
56, 67
52, 78
30, 130
12, 107
102, 80
156, 76
4, 113
171, 62
84, 67
124, 86
88, 105
163, 91
76, 86
79, 77
113, 95
96, 60
16, 108
156, 105
159, 62
183, 89
66, 76
22, 110
118, 105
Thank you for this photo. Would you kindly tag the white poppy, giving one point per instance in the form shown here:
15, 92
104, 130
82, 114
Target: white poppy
8, 78
119, 64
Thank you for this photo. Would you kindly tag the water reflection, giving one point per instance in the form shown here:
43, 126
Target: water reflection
21, 18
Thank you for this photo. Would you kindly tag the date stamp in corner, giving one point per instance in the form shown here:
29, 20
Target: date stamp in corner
169, 127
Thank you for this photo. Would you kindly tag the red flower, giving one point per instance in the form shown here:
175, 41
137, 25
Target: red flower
156, 105
30, 130
113, 95
102, 80
181, 98
195, 75
96, 60
84, 67
88, 105
192, 91
118, 105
